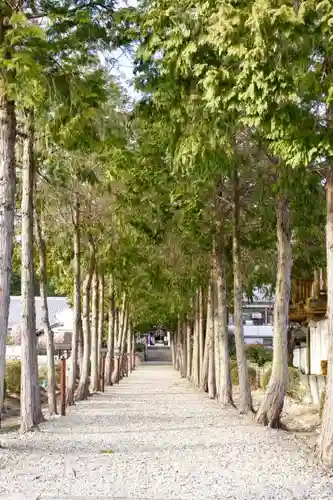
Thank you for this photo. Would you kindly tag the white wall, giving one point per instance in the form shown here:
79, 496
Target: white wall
299, 359
318, 345
14, 352
253, 331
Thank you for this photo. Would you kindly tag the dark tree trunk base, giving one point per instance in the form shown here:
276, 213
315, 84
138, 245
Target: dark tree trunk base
82, 392
269, 413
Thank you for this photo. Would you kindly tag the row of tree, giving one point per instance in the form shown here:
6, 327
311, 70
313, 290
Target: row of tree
241, 92
211, 185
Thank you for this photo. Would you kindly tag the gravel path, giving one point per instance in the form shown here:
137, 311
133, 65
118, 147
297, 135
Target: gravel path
161, 440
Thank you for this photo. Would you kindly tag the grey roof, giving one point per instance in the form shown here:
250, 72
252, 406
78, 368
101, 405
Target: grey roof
55, 305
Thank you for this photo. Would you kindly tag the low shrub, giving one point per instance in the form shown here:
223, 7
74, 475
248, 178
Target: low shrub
258, 354
42, 375
233, 363
252, 376
232, 347
13, 377
293, 385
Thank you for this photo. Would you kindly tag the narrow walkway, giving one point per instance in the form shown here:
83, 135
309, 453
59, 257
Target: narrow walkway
154, 437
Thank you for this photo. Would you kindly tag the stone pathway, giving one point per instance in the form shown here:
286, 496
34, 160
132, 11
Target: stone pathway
154, 437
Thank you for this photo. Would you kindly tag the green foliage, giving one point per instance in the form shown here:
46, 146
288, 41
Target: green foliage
13, 377
252, 376
258, 354
42, 375
293, 386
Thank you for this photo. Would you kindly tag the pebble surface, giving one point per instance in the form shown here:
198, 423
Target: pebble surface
154, 437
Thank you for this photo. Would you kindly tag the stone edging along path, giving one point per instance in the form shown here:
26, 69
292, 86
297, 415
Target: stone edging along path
155, 437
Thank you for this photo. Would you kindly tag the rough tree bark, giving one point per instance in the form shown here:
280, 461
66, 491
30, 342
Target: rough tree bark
100, 324
7, 210
201, 332
188, 348
31, 412
117, 334
245, 404
94, 375
195, 352
77, 313
83, 387
325, 444
51, 379
129, 346
224, 383
173, 349
182, 348
111, 334
175, 343
133, 351
211, 348
209, 333
120, 331
271, 407
123, 340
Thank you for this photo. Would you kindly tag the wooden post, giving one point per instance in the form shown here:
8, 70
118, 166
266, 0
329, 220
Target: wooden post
103, 373
63, 386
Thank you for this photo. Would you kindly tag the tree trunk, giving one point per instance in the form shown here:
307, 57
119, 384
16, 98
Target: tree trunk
244, 383
94, 375
120, 332
182, 348
7, 211
270, 409
111, 334
133, 351
31, 412
173, 349
117, 340
123, 341
51, 379
100, 325
325, 445
188, 348
201, 333
221, 322
176, 349
211, 348
83, 390
209, 333
195, 351
217, 331
77, 313
129, 347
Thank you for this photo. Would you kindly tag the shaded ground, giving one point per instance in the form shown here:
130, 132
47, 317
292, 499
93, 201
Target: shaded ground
154, 437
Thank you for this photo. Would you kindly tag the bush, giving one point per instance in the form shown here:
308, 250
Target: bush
13, 377
293, 385
42, 375
232, 347
258, 354
252, 376
233, 363
322, 404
